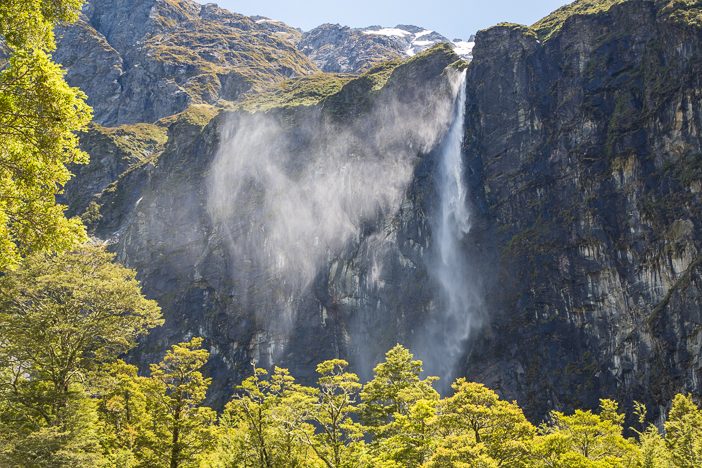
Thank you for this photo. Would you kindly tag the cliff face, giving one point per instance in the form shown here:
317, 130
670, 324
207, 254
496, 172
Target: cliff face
582, 159
586, 142
142, 60
203, 237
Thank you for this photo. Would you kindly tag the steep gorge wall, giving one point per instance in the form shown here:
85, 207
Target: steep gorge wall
367, 287
582, 156
588, 153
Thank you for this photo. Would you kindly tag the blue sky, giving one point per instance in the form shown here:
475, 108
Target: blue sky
452, 18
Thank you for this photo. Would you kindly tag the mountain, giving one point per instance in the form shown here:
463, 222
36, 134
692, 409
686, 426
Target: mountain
341, 49
588, 180
305, 219
141, 60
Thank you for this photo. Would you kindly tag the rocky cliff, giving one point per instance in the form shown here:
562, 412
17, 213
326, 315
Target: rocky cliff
582, 159
141, 60
341, 49
585, 146
196, 251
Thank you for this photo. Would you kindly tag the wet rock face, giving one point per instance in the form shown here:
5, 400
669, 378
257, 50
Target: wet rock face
583, 158
588, 151
365, 294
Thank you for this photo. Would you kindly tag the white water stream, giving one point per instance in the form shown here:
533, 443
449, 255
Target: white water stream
443, 340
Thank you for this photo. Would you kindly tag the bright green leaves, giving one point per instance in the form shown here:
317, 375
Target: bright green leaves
587, 439
399, 409
29, 24
39, 117
684, 432
61, 318
184, 428
496, 429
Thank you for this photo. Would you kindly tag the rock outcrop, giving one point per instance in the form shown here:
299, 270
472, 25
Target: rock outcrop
142, 60
583, 156
584, 135
341, 49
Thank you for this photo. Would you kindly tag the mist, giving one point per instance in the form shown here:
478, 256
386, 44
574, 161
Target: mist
289, 199
458, 306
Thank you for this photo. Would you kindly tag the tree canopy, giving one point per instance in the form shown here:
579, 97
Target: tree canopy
39, 117
63, 317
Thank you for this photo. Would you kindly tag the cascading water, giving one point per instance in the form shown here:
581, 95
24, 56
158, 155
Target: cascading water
445, 334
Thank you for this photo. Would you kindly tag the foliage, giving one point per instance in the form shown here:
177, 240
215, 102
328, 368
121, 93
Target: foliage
399, 409
338, 443
683, 432
478, 416
61, 318
587, 439
302, 91
39, 115
67, 400
183, 427
265, 423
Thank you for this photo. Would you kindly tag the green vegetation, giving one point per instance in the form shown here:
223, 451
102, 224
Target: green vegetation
62, 318
687, 12
379, 74
216, 57
313, 89
39, 115
551, 24
303, 91
140, 141
67, 400
197, 115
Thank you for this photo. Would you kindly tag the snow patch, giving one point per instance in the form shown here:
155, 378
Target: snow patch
268, 20
426, 32
463, 48
390, 32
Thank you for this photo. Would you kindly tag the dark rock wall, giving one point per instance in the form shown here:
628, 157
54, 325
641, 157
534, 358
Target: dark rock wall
583, 157
364, 297
589, 152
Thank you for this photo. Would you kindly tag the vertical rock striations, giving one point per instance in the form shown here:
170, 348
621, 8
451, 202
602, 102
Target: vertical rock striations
583, 162
587, 140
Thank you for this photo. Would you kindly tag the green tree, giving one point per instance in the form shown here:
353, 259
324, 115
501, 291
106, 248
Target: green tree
479, 417
653, 452
395, 387
61, 317
398, 408
338, 442
184, 428
683, 432
413, 436
587, 439
39, 115
461, 451
264, 424
126, 431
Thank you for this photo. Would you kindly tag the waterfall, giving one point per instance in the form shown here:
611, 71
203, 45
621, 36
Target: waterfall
447, 329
